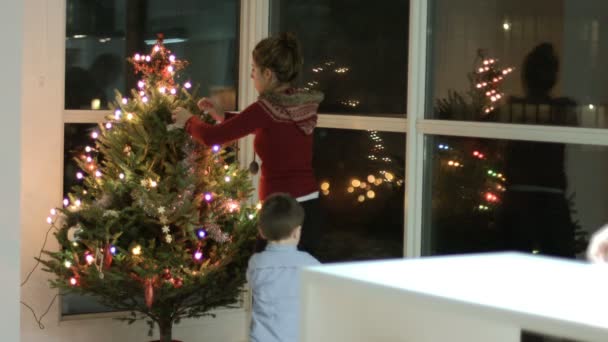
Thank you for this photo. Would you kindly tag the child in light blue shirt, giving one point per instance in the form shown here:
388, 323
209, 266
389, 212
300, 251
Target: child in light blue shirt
274, 274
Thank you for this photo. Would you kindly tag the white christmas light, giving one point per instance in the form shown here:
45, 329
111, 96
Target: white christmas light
136, 250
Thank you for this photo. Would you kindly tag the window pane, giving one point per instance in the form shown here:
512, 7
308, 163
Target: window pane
102, 34
552, 51
72, 304
361, 174
76, 137
356, 53
491, 195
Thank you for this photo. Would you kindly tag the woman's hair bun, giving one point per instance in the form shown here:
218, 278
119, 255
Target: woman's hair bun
289, 40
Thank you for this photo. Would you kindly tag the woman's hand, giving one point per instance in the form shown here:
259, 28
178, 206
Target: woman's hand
597, 251
180, 116
207, 105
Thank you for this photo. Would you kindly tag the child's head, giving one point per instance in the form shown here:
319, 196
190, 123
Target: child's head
277, 61
281, 218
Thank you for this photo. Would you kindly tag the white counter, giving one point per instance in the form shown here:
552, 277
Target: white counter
486, 297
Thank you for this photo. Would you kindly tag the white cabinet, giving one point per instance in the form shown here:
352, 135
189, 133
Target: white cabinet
473, 298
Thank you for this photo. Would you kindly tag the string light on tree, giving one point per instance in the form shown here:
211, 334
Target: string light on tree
136, 250
487, 79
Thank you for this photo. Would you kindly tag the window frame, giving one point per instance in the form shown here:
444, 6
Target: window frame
254, 25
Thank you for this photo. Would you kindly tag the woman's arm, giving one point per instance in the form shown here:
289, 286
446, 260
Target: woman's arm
252, 118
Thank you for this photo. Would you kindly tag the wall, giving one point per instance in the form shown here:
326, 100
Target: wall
11, 22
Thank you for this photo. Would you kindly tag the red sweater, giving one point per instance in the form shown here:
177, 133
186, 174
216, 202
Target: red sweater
284, 149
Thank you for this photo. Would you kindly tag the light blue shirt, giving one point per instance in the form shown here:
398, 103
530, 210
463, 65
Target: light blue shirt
274, 277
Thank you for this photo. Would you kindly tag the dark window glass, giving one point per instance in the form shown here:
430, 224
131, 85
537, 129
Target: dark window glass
551, 52
492, 195
361, 176
100, 35
355, 52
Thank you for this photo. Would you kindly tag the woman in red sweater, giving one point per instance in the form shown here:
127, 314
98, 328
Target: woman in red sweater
282, 120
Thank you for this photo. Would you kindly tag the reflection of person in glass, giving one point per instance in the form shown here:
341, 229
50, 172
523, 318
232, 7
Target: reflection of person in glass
283, 120
536, 213
85, 87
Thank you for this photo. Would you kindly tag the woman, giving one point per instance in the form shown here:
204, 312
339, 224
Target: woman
282, 119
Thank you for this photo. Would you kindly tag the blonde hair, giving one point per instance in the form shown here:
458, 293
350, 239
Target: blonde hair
281, 54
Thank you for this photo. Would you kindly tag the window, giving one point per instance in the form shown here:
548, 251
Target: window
550, 52
361, 175
102, 34
493, 194
356, 53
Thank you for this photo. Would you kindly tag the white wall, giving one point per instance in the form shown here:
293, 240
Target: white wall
11, 22
42, 155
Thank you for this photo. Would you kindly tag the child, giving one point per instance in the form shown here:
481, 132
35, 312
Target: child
274, 274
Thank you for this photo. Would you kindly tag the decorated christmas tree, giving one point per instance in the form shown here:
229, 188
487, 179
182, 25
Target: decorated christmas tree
468, 176
159, 226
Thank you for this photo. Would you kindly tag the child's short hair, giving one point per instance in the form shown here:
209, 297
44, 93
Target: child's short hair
280, 215
281, 54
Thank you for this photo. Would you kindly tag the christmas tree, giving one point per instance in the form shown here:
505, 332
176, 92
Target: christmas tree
468, 174
159, 226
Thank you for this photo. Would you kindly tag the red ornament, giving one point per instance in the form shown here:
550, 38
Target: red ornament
178, 282
107, 257
166, 274
149, 292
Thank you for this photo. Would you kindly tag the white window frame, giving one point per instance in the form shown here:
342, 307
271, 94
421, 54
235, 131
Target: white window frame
419, 127
255, 15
